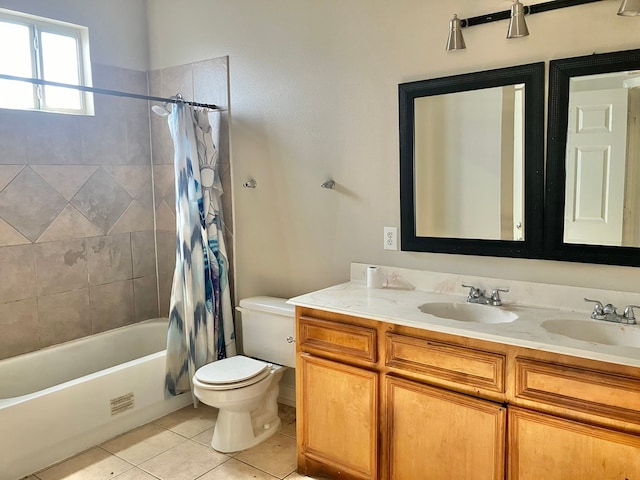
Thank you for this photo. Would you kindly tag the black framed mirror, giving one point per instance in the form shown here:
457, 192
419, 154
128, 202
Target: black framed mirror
471, 163
592, 204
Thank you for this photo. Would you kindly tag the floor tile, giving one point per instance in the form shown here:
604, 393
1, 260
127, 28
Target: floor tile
143, 443
135, 474
289, 430
276, 455
235, 470
205, 437
189, 421
94, 464
186, 461
297, 476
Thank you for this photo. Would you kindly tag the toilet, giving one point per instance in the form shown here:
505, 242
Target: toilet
245, 387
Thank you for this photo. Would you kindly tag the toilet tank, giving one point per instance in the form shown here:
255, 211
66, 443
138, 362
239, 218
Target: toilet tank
266, 323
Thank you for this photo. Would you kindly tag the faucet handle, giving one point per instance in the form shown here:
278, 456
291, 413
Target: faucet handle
495, 296
598, 308
628, 313
474, 292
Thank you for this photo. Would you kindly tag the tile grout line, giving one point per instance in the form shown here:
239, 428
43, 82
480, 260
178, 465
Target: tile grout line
217, 466
262, 470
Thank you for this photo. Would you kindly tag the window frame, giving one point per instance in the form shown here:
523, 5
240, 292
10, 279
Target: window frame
39, 25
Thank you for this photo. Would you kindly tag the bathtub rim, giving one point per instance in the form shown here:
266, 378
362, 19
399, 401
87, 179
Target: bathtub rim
9, 401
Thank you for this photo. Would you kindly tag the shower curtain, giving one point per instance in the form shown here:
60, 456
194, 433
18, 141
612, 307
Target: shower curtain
201, 326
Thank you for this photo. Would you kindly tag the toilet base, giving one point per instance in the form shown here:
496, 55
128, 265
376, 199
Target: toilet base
238, 429
234, 431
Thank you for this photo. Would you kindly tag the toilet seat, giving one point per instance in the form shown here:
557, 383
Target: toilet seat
233, 372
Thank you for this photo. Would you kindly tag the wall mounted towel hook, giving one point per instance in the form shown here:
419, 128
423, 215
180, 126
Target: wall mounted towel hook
330, 184
250, 184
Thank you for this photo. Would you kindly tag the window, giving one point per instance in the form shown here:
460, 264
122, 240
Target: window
36, 47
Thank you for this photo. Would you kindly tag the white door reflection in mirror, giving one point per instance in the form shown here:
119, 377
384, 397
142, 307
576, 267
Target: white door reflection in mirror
596, 163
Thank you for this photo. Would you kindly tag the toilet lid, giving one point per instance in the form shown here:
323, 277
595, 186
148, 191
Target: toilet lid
231, 370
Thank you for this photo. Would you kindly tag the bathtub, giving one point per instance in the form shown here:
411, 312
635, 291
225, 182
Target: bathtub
61, 400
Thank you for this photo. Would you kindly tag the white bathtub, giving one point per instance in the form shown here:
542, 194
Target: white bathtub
57, 401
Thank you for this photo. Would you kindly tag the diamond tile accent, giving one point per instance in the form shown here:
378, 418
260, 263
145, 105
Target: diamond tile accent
9, 235
131, 178
145, 197
29, 204
165, 218
163, 179
8, 173
66, 180
102, 200
69, 224
135, 219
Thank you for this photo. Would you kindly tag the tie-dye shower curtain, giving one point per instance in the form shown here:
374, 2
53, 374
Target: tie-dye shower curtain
201, 326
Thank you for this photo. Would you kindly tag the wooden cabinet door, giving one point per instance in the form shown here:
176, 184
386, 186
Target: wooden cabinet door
434, 434
546, 447
339, 423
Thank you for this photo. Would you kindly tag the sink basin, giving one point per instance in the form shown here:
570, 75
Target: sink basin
468, 312
595, 331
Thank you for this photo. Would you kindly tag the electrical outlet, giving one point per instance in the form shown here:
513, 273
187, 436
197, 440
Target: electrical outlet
391, 238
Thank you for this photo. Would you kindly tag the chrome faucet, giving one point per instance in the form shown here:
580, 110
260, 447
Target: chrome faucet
609, 313
477, 295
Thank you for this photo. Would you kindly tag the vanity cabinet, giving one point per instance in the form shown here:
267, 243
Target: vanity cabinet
339, 417
544, 446
434, 433
383, 401
337, 398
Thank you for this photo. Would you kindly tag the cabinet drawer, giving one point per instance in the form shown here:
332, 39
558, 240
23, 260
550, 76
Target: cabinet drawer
454, 363
347, 340
591, 391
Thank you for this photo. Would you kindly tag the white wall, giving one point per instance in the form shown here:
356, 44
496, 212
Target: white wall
314, 96
117, 28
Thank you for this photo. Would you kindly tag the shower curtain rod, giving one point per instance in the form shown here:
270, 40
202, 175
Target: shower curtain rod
104, 91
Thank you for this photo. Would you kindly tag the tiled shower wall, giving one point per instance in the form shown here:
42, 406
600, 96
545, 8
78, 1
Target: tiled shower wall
77, 249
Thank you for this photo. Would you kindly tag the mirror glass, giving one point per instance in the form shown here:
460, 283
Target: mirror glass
601, 200
471, 162
469, 157
593, 203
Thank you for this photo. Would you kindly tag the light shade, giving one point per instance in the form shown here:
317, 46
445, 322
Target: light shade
629, 8
455, 40
517, 24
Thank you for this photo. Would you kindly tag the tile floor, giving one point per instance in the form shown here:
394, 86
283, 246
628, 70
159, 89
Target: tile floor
176, 447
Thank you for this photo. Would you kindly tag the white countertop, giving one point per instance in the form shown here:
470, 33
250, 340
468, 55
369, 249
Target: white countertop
401, 306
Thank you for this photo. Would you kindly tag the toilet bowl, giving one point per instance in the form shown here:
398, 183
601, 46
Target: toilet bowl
245, 387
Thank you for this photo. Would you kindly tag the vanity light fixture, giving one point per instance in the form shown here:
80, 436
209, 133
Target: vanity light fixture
455, 40
629, 8
517, 24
